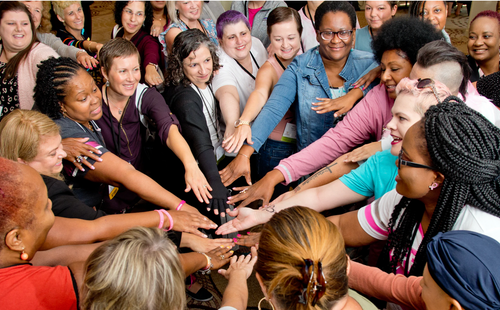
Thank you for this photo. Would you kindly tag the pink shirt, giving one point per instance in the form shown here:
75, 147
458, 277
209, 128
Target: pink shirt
364, 122
251, 15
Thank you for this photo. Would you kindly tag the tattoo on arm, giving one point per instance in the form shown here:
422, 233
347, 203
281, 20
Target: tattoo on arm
317, 174
269, 208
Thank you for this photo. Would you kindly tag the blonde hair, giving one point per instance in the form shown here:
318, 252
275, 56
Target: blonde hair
424, 97
172, 11
139, 269
290, 237
21, 132
60, 6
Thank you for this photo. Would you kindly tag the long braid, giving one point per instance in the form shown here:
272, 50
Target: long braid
465, 148
51, 80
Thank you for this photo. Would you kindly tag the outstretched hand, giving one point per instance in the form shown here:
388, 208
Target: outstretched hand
190, 222
78, 151
363, 152
241, 266
236, 140
245, 218
239, 166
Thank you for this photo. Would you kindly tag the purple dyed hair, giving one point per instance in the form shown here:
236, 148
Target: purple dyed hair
487, 13
228, 18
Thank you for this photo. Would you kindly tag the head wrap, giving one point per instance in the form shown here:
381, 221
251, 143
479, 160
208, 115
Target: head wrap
465, 265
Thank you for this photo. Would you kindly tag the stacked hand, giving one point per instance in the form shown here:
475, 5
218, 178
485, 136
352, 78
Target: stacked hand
241, 266
196, 181
78, 151
190, 222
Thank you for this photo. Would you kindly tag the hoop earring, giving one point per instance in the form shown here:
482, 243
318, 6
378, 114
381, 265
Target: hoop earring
272, 306
433, 186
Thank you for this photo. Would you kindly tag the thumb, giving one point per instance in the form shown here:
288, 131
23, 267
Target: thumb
188, 188
248, 178
83, 139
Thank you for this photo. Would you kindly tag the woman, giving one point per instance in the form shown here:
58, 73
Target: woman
489, 86
32, 138
133, 22
127, 103
189, 95
160, 17
322, 72
373, 178
284, 29
41, 18
445, 283
185, 15
302, 263
70, 13
20, 55
119, 276
396, 54
68, 94
307, 18
241, 57
433, 11
376, 14
483, 45
257, 12
26, 219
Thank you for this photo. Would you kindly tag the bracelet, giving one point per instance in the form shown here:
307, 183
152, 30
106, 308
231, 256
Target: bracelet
207, 269
179, 207
170, 219
162, 219
244, 155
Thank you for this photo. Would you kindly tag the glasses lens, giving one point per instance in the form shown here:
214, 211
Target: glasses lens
326, 35
345, 34
424, 83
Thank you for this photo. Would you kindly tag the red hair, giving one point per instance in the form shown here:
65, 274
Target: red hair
16, 198
488, 13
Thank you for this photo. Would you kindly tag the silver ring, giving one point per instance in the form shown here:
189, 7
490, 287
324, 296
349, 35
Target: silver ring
222, 256
205, 186
79, 158
244, 191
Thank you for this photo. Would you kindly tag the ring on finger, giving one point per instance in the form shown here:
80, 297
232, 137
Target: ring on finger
222, 256
244, 191
205, 186
79, 158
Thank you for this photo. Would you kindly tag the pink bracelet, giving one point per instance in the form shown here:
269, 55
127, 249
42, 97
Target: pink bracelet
179, 207
170, 219
162, 219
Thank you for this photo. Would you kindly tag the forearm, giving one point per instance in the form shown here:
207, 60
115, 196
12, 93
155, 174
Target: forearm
192, 262
179, 146
230, 106
326, 175
64, 255
254, 105
236, 293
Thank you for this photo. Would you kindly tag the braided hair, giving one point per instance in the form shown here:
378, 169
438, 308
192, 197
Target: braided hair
51, 81
465, 147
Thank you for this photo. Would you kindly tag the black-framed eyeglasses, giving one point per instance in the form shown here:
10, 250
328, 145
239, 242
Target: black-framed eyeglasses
423, 83
329, 35
403, 162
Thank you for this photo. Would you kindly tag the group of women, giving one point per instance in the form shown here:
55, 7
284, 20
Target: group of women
203, 97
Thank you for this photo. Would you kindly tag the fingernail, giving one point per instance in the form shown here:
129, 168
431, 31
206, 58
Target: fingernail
205, 236
82, 169
229, 247
99, 152
238, 235
221, 246
92, 167
100, 159
231, 251
248, 233
235, 240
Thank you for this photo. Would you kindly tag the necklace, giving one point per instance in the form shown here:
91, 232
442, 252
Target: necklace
120, 111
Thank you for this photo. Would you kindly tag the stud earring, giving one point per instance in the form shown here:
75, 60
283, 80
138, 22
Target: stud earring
107, 83
24, 256
433, 186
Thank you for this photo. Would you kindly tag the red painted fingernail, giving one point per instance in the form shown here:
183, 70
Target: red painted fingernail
238, 235
248, 233
235, 240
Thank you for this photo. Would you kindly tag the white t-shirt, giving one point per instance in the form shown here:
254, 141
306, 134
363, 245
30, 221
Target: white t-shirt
210, 114
374, 219
231, 73
308, 32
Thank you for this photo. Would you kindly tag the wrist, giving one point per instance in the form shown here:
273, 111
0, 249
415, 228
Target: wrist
241, 122
275, 176
247, 150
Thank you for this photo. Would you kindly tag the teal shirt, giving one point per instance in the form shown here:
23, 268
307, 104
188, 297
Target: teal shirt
375, 177
363, 40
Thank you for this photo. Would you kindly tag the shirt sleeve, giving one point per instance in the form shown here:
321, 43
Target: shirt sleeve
360, 180
361, 124
374, 218
151, 51
56, 43
398, 289
225, 76
155, 107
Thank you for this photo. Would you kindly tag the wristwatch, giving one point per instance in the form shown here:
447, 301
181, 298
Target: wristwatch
239, 122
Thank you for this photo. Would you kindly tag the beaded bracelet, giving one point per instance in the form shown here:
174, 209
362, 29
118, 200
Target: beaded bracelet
180, 205
170, 219
162, 219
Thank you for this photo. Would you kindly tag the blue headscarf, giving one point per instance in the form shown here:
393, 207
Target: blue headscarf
466, 265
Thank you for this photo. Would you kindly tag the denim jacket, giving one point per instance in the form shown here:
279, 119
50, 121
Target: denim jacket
302, 82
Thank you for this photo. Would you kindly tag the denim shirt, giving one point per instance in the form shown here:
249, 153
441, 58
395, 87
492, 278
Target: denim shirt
302, 82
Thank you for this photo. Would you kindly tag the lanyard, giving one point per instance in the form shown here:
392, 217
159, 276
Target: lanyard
202, 27
279, 61
244, 69
310, 17
213, 117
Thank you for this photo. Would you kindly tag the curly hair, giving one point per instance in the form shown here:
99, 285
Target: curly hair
417, 33
186, 42
51, 81
489, 86
465, 147
139, 269
335, 6
292, 236
13, 64
148, 11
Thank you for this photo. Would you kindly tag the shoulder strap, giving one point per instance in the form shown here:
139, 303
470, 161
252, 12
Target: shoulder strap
139, 93
116, 29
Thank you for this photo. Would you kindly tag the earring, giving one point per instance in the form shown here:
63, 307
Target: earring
24, 256
433, 186
107, 83
272, 306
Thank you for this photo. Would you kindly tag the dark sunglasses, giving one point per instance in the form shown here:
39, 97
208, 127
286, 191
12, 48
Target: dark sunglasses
410, 163
423, 83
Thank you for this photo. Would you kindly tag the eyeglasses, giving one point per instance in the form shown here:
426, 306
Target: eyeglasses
137, 14
319, 286
410, 163
423, 83
329, 35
